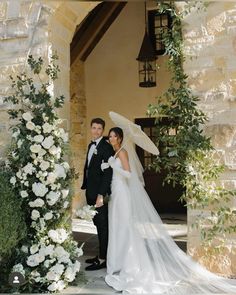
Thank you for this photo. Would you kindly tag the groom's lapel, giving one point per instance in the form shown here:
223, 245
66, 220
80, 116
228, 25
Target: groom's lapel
97, 148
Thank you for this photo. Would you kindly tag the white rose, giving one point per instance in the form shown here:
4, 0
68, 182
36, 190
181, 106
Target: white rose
60, 171
35, 214
69, 274
29, 168
24, 249
47, 128
52, 197
77, 266
37, 203
48, 216
64, 193
52, 287
35, 148
55, 150
34, 248
13, 180
51, 177
30, 125
38, 138
34, 260
19, 174
24, 194
44, 165
42, 152
18, 268
48, 142
58, 236
39, 189
27, 116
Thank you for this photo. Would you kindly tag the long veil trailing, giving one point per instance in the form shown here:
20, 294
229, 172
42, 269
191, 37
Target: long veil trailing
154, 263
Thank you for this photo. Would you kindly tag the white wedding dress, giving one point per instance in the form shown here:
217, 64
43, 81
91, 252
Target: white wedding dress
142, 257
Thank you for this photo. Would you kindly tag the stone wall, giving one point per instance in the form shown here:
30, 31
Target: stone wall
30, 27
210, 47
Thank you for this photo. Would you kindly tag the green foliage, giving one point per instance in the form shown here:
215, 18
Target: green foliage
186, 154
12, 224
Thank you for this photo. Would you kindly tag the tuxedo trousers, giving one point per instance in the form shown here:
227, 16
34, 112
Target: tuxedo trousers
100, 220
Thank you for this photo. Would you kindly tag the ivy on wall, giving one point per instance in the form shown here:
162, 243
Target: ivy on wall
187, 156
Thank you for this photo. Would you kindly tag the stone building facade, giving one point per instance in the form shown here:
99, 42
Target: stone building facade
31, 27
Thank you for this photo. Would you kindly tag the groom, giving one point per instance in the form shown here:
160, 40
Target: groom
97, 184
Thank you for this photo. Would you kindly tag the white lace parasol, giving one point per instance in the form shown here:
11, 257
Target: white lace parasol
134, 132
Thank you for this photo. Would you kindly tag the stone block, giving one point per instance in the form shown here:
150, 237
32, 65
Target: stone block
15, 28
222, 135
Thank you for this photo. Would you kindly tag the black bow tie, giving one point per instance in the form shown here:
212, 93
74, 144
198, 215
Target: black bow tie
93, 142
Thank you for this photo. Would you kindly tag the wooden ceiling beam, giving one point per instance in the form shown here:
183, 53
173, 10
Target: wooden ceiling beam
93, 28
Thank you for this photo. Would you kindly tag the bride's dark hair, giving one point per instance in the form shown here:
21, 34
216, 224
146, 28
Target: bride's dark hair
118, 132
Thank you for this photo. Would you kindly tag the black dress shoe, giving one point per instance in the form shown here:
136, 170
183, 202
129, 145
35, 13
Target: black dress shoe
91, 260
96, 265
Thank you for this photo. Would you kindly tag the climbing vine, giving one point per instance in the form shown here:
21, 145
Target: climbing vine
186, 153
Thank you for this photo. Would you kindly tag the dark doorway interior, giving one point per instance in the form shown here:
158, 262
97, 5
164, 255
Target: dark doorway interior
164, 198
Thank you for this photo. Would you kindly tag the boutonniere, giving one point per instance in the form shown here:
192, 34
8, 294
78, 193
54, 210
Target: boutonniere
95, 152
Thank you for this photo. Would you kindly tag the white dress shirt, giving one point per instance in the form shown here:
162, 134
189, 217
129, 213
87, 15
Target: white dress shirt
92, 149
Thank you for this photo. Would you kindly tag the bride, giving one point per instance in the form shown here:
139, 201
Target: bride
142, 257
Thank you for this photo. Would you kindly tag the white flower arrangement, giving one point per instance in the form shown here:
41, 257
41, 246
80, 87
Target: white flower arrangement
41, 178
87, 212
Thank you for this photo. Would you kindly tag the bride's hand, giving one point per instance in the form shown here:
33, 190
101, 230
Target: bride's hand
111, 161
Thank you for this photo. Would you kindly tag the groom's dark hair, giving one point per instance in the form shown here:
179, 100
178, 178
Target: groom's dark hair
98, 121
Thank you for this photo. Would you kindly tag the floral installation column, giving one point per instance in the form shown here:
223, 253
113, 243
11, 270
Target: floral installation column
41, 177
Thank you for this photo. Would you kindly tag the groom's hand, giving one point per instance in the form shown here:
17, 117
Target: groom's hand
99, 201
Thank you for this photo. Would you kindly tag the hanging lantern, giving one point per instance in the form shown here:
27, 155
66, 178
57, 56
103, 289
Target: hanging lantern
147, 61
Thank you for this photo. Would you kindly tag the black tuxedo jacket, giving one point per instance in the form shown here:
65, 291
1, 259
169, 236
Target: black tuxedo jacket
98, 182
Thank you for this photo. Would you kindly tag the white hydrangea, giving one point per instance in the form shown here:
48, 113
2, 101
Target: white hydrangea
52, 197
35, 259
60, 285
55, 151
30, 125
38, 138
62, 255
51, 178
27, 116
42, 152
24, 194
48, 250
60, 171
24, 249
58, 236
19, 174
37, 203
47, 128
39, 189
48, 216
44, 165
35, 148
35, 214
19, 268
69, 274
29, 168
55, 272
13, 180
48, 142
